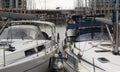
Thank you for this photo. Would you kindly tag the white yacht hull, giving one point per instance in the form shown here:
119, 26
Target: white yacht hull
37, 64
24, 47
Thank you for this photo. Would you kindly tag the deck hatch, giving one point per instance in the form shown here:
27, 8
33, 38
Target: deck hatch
106, 44
103, 60
101, 51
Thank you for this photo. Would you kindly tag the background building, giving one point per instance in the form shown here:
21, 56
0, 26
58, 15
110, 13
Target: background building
13, 5
101, 6
91, 7
83, 7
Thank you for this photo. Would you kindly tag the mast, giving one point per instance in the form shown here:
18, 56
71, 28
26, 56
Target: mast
95, 7
116, 25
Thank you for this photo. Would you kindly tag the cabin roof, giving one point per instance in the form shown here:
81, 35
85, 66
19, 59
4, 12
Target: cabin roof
35, 22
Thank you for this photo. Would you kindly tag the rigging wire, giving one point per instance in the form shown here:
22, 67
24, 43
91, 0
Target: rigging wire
45, 27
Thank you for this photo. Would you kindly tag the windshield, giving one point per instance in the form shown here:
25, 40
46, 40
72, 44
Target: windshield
92, 36
21, 32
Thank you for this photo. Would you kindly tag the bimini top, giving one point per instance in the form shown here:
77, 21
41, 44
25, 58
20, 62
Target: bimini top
96, 22
104, 20
83, 24
36, 22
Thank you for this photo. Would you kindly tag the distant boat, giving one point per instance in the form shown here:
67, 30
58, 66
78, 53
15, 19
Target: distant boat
24, 47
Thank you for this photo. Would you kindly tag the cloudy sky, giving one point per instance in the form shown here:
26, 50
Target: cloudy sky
51, 4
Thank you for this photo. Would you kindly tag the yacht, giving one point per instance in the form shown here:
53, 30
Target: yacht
92, 44
89, 47
26, 47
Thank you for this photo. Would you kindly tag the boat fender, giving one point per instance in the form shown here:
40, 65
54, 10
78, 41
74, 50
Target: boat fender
56, 55
79, 56
64, 55
59, 55
60, 65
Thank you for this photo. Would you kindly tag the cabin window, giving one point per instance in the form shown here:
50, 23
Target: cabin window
30, 52
40, 48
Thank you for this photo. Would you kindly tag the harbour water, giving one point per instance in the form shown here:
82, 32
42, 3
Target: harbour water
60, 28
